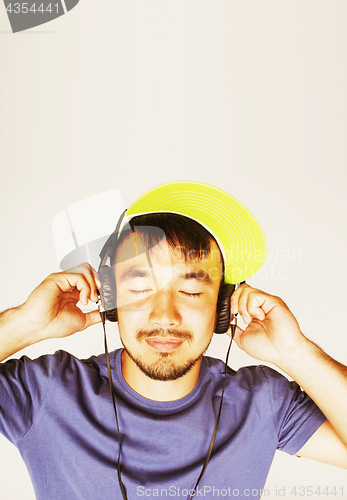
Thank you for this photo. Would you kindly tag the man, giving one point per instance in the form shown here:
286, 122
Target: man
169, 266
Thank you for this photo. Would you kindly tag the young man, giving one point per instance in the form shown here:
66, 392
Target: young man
169, 273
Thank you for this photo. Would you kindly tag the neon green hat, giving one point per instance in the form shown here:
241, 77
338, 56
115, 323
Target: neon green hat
238, 234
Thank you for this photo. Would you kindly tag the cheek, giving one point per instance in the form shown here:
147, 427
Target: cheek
201, 317
208, 317
127, 322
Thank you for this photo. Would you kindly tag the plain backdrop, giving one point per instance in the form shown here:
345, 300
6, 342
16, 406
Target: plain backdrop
247, 95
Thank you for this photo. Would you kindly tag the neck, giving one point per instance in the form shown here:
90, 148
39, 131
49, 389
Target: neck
158, 390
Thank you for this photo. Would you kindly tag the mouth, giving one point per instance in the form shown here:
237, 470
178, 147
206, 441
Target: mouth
164, 344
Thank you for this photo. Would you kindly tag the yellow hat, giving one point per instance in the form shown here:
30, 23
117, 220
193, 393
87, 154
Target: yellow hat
238, 234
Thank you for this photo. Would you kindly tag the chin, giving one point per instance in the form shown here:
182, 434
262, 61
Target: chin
165, 368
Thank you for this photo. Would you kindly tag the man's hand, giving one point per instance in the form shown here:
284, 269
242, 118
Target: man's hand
272, 331
51, 310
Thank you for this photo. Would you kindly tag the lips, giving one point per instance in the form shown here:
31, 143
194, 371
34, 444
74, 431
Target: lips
166, 344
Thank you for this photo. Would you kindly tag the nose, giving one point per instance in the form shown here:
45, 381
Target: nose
164, 313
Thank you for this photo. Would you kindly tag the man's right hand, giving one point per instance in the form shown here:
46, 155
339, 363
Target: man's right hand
51, 310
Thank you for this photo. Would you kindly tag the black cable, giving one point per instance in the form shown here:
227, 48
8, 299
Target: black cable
209, 452
121, 485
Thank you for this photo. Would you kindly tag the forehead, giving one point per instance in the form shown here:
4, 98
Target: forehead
134, 253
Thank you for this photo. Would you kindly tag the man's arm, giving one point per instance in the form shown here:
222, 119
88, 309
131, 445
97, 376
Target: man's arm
325, 381
273, 335
51, 311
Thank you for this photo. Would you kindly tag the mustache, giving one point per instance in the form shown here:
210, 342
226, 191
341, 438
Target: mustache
161, 332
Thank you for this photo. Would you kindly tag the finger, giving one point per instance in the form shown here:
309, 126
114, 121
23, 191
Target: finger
255, 303
72, 297
80, 269
91, 318
234, 301
96, 279
69, 282
238, 334
91, 276
229, 331
242, 305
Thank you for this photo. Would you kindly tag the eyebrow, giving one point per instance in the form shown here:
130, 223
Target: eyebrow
200, 276
135, 272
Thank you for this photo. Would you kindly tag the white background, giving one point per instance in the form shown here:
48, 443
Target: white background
247, 95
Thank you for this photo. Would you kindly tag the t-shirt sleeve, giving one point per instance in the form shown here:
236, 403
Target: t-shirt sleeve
24, 384
296, 417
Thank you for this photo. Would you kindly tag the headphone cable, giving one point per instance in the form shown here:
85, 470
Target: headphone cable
209, 452
121, 485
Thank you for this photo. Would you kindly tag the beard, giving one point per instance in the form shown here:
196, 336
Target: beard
164, 368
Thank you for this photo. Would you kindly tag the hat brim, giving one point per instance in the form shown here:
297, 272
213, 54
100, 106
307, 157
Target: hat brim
237, 232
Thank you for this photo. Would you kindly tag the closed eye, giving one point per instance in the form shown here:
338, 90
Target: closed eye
190, 294
141, 292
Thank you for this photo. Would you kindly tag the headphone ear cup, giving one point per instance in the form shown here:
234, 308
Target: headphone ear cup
108, 292
223, 308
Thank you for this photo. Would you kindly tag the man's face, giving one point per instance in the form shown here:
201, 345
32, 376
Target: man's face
166, 307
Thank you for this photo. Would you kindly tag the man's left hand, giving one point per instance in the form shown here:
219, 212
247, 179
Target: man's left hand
272, 332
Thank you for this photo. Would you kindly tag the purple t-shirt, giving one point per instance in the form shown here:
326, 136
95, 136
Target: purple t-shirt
57, 410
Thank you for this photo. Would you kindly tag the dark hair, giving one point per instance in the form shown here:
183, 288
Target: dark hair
181, 232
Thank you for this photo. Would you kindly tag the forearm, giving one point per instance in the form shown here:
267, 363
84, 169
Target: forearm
14, 333
324, 380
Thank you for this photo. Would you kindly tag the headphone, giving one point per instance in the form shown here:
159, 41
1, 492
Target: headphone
109, 293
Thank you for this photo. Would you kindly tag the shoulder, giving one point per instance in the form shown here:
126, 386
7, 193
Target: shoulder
24, 366
50, 365
248, 377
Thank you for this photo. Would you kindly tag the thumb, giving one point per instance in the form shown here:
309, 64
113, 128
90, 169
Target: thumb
91, 318
238, 334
